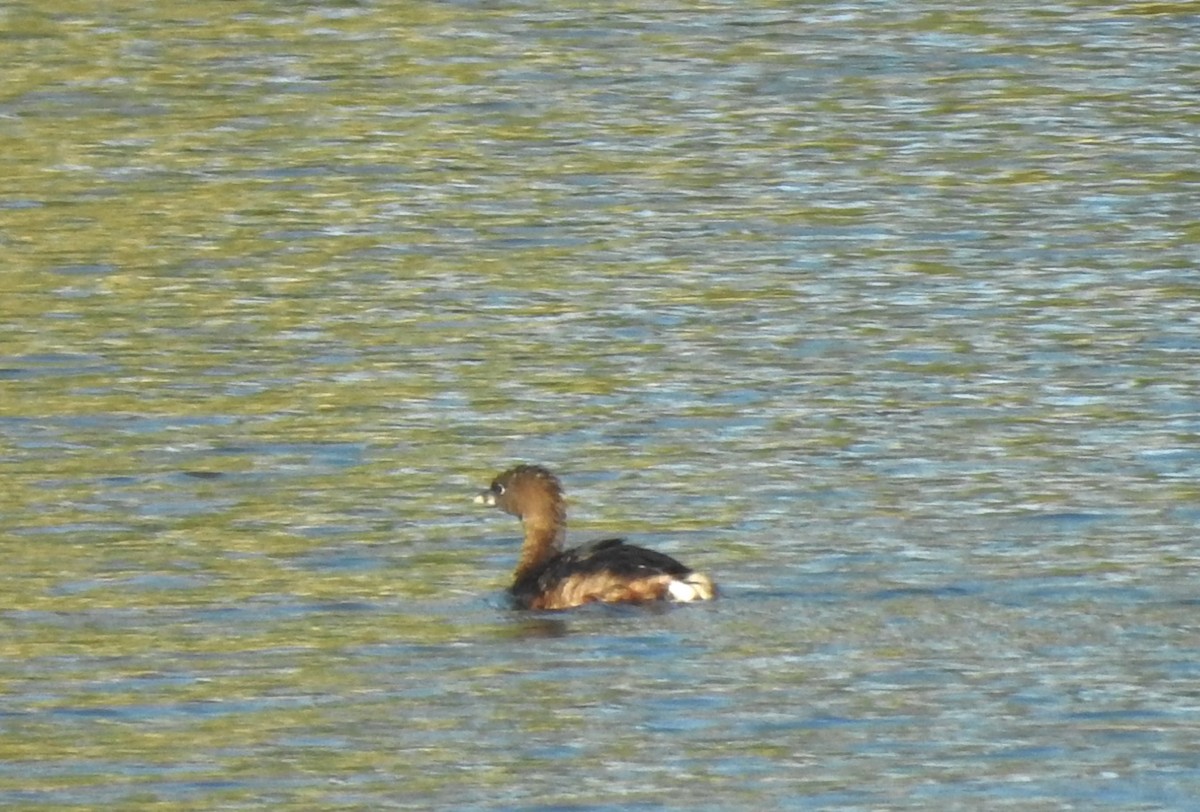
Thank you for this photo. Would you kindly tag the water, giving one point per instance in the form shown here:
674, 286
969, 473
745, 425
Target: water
885, 315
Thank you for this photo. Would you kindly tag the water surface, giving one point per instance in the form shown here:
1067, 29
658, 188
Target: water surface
887, 315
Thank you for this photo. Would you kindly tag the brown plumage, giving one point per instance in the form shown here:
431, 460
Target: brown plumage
608, 571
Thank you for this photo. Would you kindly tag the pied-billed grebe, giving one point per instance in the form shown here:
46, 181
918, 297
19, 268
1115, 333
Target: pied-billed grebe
609, 571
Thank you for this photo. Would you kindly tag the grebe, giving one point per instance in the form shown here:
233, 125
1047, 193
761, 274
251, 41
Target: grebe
609, 570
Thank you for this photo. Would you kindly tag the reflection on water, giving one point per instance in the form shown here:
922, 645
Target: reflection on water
884, 316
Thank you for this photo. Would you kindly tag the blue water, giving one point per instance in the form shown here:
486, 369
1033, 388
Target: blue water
885, 316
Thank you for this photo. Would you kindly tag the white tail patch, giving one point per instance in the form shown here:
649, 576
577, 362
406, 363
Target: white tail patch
695, 586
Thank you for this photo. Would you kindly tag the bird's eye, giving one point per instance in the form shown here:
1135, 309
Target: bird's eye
497, 489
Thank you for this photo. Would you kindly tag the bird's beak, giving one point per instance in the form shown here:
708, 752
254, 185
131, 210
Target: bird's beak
485, 498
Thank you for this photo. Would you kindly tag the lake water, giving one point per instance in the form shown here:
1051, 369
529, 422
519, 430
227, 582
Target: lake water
885, 314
